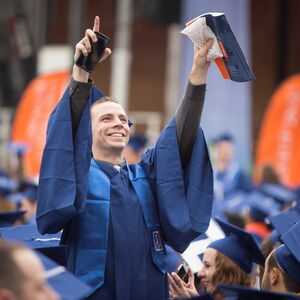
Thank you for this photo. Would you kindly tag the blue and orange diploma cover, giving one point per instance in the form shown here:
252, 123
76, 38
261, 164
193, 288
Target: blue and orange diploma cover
230, 60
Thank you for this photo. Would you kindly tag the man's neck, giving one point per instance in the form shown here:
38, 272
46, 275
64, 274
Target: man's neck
112, 158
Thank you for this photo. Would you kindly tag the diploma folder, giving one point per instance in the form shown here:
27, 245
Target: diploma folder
232, 63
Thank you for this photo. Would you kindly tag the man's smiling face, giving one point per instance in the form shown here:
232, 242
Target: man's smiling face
109, 127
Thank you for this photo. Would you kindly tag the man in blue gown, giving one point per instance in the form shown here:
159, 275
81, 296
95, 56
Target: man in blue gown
229, 178
116, 218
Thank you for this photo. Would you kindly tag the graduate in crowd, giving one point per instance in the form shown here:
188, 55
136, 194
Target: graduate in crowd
22, 275
226, 261
255, 215
116, 218
281, 223
7, 186
229, 178
245, 293
135, 148
282, 267
282, 195
28, 203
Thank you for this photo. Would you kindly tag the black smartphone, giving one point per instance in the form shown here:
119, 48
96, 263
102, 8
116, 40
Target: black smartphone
182, 272
89, 62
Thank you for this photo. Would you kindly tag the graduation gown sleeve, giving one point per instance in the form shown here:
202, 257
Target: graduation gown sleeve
64, 169
184, 197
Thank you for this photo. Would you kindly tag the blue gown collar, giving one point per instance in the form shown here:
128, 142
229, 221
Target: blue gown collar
111, 169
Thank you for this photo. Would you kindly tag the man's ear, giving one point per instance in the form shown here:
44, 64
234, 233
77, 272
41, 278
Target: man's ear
274, 276
6, 294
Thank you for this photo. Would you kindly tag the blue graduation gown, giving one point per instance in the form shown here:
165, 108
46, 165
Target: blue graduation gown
184, 198
129, 272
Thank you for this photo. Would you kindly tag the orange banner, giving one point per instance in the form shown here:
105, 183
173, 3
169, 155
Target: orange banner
279, 138
30, 121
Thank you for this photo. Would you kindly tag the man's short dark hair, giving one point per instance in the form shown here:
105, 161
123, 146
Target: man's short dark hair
104, 99
290, 285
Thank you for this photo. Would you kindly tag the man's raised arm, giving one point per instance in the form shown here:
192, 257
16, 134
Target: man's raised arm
67, 153
80, 84
188, 114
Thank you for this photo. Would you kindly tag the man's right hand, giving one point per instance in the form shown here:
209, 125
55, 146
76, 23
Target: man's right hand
84, 46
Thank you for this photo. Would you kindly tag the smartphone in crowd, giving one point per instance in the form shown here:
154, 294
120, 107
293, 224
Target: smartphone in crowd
89, 62
182, 272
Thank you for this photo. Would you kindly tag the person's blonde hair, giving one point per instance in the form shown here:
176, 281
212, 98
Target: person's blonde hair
227, 272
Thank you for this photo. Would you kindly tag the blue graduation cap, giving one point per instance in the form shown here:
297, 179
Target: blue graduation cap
31, 192
9, 218
278, 192
15, 198
7, 184
233, 204
274, 237
238, 292
288, 254
284, 221
63, 282
137, 142
223, 137
18, 148
48, 244
238, 245
130, 123
259, 206
258, 211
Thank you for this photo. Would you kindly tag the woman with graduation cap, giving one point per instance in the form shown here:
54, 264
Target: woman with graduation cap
227, 261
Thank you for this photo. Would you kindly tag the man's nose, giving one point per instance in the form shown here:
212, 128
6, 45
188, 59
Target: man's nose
117, 123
